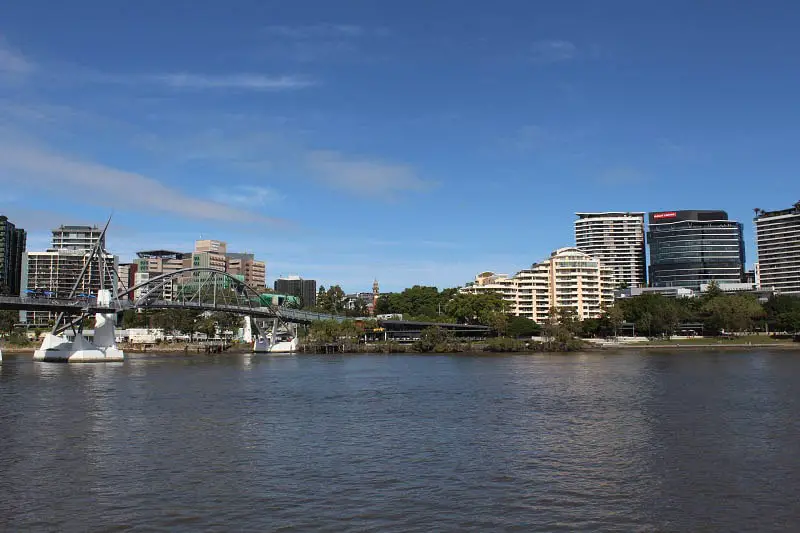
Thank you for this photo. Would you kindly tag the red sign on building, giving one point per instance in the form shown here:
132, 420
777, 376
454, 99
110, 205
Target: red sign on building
668, 214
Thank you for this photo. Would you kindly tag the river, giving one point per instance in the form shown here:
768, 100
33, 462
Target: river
700, 441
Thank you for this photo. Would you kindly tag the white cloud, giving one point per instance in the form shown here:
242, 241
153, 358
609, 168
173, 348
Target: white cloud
362, 177
253, 82
314, 31
246, 196
12, 63
553, 51
74, 180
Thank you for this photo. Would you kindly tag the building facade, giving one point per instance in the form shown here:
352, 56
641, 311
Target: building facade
12, 249
251, 271
54, 272
306, 289
778, 244
689, 248
569, 278
152, 263
77, 238
617, 240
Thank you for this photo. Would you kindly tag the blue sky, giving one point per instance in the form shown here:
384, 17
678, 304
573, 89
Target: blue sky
412, 142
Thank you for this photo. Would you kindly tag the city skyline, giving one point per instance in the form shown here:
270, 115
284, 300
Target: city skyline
348, 143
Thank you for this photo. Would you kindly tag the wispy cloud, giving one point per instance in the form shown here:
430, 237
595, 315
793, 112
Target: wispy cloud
315, 31
13, 63
623, 175
75, 180
246, 196
677, 152
363, 177
320, 42
253, 82
553, 51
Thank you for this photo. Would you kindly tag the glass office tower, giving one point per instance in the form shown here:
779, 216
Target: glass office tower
689, 248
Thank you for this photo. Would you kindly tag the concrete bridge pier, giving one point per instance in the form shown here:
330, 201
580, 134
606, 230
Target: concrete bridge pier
57, 348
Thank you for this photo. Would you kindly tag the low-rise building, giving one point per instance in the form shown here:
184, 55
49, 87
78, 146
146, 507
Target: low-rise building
569, 278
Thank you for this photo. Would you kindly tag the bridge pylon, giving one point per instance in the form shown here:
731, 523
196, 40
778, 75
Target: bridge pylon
103, 348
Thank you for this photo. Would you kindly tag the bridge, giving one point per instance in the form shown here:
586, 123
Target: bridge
193, 288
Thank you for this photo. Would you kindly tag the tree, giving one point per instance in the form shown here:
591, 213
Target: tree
322, 298
498, 321
335, 297
7, 320
519, 326
475, 308
433, 339
615, 316
735, 312
208, 326
783, 313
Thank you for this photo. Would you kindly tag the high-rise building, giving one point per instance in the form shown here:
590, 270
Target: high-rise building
12, 248
306, 289
569, 278
616, 239
689, 248
210, 245
80, 238
778, 242
252, 272
56, 271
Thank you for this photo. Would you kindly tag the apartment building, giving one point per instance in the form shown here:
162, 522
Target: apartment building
617, 240
778, 244
569, 278
55, 271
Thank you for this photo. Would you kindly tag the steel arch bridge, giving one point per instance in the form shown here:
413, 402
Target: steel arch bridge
208, 289
195, 288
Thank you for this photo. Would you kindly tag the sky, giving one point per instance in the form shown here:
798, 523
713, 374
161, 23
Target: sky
412, 142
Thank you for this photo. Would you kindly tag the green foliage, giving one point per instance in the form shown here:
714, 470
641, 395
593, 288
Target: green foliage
483, 308
504, 344
329, 331
735, 312
434, 339
330, 301
651, 314
18, 338
417, 302
7, 320
783, 313
657, 315
519, 326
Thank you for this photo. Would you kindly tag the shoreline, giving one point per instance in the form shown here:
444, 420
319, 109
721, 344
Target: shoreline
193, 351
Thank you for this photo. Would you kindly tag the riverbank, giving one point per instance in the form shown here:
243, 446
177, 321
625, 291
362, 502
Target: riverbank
361, 349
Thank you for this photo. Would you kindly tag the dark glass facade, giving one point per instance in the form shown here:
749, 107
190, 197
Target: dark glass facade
305, 289
689, 248
12, 246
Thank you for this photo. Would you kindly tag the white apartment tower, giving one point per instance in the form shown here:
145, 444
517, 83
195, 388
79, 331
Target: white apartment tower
55, 271
778, 242
617, 240
568, 278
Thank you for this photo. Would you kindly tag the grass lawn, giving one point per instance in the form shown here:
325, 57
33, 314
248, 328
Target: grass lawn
746, 339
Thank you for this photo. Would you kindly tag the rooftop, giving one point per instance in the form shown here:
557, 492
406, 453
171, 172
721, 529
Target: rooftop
163, 254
